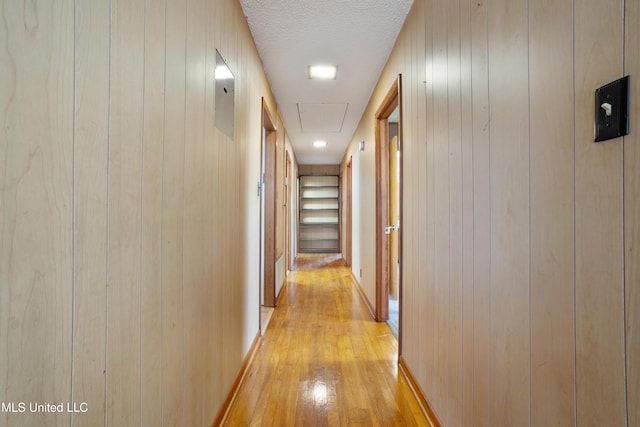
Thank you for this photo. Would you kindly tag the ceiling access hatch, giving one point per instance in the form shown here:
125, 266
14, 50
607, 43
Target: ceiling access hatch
323, 117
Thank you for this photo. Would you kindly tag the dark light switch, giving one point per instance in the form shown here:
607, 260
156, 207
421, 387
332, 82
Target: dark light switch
612, 110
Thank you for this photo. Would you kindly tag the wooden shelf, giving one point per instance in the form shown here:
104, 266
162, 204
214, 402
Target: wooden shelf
319, 213
319, 221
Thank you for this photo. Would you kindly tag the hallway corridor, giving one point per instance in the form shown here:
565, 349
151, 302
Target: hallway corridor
323, 361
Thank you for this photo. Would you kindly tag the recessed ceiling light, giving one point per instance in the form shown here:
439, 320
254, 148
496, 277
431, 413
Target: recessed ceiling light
319, 144
323, 72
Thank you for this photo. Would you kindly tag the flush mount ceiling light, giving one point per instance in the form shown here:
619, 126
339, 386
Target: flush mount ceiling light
323, 72
319, 144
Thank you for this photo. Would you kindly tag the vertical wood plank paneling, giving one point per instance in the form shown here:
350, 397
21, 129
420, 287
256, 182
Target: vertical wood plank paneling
411, 80
442, 225
36, 206
194, 262
500, 215
155, 222
632, 216
409, 145
481, 213
467, 212
95, 218
598, 223
172, 216
124, 239
212, 355
409, 189
280, 162
509, 127
152, 176
230, 184
455, 314
227, 314
421, 279
92, 56
552, 214
430, 348
8, 207
221, 317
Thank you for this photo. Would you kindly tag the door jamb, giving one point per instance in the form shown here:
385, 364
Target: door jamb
392, 100
268, 192
288, 207
347, 211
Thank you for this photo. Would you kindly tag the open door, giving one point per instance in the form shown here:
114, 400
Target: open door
268, 211
389, 201
394, 210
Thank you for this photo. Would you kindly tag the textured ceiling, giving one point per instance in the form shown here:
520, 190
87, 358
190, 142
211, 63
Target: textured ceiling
355, 35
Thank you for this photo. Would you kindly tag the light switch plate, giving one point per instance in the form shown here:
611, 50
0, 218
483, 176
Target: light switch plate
612, 110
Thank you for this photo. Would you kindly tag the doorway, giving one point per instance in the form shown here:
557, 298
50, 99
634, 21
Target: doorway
388, 161
347, 212
267, 216
289, 206
394, 221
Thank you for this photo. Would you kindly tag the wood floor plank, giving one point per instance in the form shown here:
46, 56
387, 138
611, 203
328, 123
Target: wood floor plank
323, 360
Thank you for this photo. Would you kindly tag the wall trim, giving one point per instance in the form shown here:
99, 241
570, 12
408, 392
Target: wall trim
223, 413
283, 290
417, 392
356, 284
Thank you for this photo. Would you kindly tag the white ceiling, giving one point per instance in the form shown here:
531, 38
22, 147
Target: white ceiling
355, 35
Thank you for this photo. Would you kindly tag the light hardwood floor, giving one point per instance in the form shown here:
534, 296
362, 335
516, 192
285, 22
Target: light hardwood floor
323, 361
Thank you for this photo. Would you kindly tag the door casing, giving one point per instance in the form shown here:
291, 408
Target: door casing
347, 210
391, 101
268, 232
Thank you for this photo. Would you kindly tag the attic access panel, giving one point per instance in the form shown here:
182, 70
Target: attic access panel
322, 117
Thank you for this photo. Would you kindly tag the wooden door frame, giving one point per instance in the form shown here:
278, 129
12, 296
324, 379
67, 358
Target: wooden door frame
347, 211
392, 100
288, 206
268, 234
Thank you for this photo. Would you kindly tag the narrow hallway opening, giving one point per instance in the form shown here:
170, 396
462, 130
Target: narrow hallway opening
323, 360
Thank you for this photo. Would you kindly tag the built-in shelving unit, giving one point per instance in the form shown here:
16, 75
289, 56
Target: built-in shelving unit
319, 213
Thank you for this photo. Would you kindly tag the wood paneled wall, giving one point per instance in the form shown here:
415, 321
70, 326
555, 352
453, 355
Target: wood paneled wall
128, 223
631, 167
280, 189
521, 286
